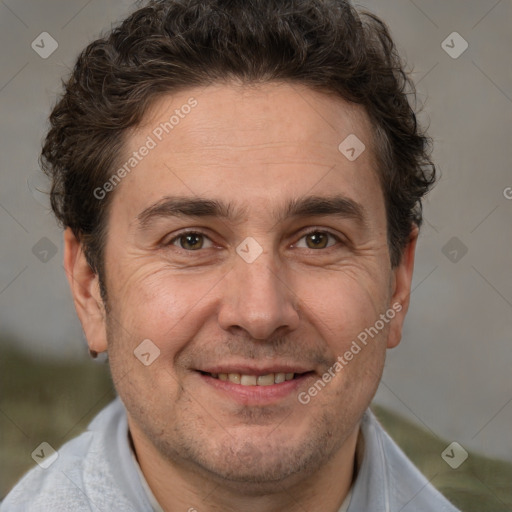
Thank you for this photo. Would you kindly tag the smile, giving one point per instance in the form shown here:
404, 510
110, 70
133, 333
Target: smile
253, 380
256, 388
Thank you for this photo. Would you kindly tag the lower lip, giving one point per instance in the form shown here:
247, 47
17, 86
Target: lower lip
257, 395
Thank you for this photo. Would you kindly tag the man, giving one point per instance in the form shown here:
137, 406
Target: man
240, 183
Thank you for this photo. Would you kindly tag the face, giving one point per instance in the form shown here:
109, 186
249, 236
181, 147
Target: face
245, 242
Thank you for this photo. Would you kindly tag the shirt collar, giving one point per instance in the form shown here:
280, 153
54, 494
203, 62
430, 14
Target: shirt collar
370, 491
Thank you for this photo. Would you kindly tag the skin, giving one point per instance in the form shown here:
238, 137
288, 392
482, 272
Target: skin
256, 147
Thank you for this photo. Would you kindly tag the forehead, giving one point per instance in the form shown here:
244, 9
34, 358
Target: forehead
249, 143
247, 115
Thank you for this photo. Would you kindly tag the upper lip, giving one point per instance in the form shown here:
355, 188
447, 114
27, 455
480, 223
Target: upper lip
248, 369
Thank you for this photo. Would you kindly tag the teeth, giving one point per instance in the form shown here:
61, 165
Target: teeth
279, 377
248, 380
254, 380
266, 380
234, 377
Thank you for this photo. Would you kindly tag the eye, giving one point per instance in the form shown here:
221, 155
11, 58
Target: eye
318, 240
191, 241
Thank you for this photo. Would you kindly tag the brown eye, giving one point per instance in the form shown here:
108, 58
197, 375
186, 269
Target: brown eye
189, 241
318, 240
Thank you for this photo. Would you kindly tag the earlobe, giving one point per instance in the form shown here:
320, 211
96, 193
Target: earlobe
84, 284
401, 288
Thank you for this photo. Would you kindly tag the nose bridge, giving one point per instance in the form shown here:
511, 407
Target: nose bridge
257, 298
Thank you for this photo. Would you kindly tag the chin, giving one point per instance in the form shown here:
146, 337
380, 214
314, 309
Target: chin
265, 469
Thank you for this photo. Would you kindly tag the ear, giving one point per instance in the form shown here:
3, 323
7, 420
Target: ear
84, 284
401, 280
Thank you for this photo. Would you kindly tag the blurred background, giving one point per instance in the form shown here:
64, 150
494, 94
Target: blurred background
449, 380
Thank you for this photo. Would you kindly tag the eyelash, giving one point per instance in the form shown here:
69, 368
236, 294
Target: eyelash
193, 232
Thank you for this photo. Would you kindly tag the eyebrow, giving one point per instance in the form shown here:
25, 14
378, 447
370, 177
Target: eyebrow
309, 206
336, 206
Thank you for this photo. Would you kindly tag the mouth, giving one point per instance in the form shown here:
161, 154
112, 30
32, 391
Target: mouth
249, 386
244, 379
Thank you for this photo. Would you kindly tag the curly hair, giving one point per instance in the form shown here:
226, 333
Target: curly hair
170, 45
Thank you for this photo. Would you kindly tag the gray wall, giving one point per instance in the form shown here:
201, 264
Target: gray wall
451, 372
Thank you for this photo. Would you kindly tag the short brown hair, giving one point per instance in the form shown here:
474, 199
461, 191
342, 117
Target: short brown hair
170, 45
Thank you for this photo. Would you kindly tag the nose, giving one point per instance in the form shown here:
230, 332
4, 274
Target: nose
258, 299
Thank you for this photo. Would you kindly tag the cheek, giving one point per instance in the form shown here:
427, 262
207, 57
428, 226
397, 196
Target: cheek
163, 306
343, 304
344, 311
153, 313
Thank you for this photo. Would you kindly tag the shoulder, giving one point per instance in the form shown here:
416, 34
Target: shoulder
79, 475
403, 486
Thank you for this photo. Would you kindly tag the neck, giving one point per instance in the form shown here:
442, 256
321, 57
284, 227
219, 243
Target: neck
183, 485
